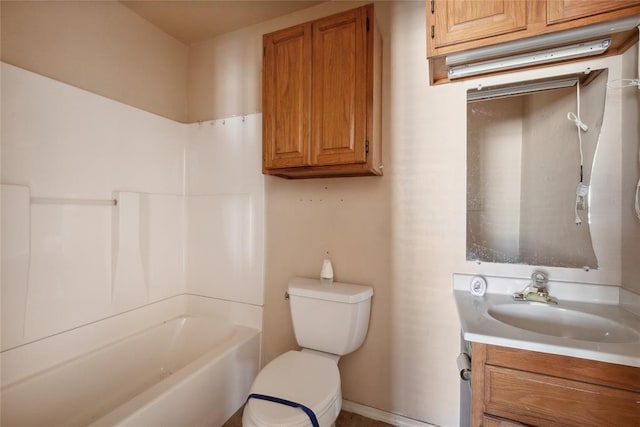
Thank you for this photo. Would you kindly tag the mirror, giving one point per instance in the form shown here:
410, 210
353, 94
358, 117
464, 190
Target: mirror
529, 170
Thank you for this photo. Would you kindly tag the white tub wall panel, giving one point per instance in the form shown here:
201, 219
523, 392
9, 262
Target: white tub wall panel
222, 256
21, 362
148, 235
248, 315
223, 166
62, 141
162, 244
86, 146
130, 285
255, 181
15, 262
70, 269
225, 158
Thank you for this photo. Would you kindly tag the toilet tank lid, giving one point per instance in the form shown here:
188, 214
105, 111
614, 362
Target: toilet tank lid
340, 292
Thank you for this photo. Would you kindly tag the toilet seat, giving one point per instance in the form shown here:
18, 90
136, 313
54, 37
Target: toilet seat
301, 377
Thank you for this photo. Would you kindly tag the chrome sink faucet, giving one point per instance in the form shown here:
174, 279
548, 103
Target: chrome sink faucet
536, 290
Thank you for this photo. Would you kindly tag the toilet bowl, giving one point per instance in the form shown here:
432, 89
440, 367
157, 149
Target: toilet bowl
297, 376
329, 321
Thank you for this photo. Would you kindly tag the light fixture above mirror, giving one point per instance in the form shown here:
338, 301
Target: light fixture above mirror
581, 50
581, 42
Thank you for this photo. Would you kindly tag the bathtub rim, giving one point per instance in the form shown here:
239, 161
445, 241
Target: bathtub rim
160, 390
28, 359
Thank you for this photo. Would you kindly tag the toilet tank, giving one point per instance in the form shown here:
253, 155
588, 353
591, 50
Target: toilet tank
329, 318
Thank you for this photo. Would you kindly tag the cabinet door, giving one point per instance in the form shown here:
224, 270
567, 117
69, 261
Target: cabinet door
463, 20
567, 10
339, 89
286, 83
488, 421
545, 400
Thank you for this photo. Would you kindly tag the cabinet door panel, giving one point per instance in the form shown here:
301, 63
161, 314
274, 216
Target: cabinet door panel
339, 89
543, 400
462, 20
567, 10
488, 421
285, 99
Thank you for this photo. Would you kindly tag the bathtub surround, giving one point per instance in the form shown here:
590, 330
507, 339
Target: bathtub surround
68, 261
104, 236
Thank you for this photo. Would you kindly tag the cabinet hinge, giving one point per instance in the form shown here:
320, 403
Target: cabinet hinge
433, 31
366, 148
432, 6
367, 24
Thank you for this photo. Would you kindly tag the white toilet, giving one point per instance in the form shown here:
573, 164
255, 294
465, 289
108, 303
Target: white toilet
329, 321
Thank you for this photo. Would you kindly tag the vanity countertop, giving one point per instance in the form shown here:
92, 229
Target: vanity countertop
589, 300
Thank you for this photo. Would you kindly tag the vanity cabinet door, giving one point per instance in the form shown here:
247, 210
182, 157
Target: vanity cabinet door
543, 400
511, 386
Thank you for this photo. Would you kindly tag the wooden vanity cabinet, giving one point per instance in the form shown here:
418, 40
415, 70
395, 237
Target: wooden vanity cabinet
459, 25
513, 387
321, 97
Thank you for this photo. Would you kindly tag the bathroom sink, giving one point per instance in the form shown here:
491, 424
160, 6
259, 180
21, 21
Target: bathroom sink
562, 322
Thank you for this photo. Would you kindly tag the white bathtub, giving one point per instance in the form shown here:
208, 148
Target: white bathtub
186, 371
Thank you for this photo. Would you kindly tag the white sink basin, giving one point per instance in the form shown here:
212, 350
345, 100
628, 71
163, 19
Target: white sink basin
561, 322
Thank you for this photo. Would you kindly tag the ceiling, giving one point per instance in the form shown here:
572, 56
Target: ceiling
191, 21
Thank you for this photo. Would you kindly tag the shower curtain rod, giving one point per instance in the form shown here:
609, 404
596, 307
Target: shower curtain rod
88, 202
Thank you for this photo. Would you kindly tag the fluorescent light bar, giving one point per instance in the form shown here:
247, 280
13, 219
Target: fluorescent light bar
533, 58
544, 41
519, 89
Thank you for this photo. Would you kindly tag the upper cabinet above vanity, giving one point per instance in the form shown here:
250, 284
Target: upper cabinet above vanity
461, 25
321, 89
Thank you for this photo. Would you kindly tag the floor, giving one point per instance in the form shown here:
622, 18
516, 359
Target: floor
345, 419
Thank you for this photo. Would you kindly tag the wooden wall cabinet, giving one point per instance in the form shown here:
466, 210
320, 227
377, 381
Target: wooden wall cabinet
512, 387
454, 22
459, 25
321, 90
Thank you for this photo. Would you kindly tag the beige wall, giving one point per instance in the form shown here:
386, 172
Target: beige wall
395, 233
100, 46
349, 222
212, 94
